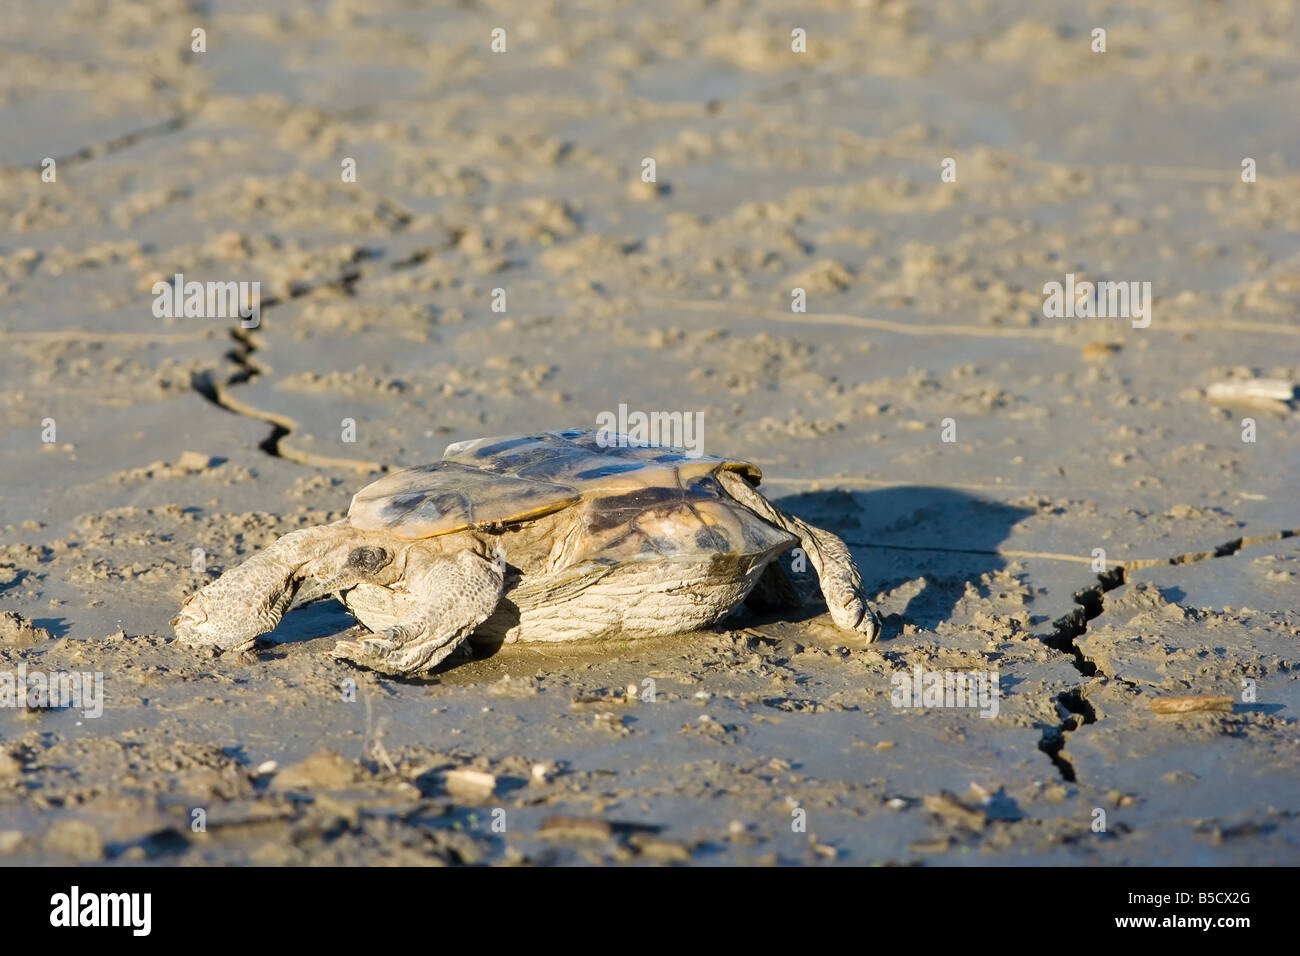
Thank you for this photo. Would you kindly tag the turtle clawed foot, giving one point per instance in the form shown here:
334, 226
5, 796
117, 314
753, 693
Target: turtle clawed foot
856, 615
388, 655
367, 651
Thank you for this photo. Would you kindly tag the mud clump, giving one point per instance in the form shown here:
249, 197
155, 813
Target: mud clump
324, 770
17, 631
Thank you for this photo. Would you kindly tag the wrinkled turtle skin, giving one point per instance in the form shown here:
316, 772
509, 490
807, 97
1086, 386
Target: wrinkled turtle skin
564, 536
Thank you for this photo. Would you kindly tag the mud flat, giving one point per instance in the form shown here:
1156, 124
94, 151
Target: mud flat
142, 455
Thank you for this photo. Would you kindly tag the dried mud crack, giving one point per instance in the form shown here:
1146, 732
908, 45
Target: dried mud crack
1090, 603
1074, 711
247, 368
182, 115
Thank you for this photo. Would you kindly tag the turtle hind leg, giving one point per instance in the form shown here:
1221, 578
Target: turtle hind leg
838, 575
447, 597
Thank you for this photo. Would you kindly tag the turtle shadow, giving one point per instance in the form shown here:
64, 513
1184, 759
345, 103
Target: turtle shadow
324, 617
937, 540
489, 638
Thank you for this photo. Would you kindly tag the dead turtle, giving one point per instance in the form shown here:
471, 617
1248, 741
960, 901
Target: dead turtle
564, 536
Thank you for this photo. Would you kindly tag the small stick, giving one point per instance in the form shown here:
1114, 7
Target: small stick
1184, 705
1272, 392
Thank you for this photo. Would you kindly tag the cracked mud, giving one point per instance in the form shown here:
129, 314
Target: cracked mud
185, 445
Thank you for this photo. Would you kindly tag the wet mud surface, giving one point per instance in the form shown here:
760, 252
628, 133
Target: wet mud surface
181, 446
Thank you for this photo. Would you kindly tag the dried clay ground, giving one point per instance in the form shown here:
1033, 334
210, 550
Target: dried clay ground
770, 739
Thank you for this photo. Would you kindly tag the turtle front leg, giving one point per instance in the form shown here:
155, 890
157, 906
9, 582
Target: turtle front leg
838, 575
250, 599
446, 598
